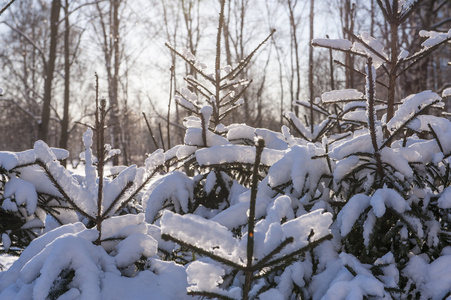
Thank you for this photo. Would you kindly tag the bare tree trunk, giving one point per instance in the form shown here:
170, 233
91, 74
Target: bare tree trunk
49, 71
331, 69
279, 61
392, 72
111, 49
312, 95
172, 38
65, 120
348, 12
227, 37
372, 14
295, 93
240, 56
114, 83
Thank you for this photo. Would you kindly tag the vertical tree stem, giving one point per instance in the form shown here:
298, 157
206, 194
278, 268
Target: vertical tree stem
372, 116
218, 65
100, 141
393, 66
169, 107
260, 145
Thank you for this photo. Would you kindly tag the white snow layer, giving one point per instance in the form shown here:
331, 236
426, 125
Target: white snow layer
10, 160
347, 286
446, 92
273, 140
235, 154
340, 95
79, 195
431, 279
114, 188
97, 276
155, 160
445, 199
175, 187
351, 212
299, 165
24, 192
340, 44
202, 233
376, 52
410, 106
386, 197
434, 37
90, 169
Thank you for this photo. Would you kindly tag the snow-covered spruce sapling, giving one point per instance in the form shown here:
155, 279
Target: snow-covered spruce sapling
221, 91
394, 65
398, 61
386, 181
88, 215
232, 268
23, 208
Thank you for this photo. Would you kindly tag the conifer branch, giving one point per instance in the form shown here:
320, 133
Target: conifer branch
361, 41
225, 113
315, 107
416, 58
262, 263
339, 49
194, 83
199, 250
383, 9
63, 192
209, 295
296, 128
436, 138
116, 200
400, 128
330, 124
235, 97
138, 189
358, 72
190, 63
293, 255
403, 17
238, 69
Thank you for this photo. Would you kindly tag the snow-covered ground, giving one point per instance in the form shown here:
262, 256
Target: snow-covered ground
7, 260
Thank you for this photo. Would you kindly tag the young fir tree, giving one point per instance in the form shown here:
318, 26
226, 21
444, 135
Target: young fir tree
98, 229
381, 181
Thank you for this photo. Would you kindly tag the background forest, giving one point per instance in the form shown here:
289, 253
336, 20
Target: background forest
226, 149
48, 72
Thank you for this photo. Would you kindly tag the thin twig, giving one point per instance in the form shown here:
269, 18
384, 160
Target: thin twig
150, 131
161, 137
6, 7
169, 107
